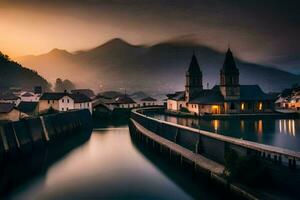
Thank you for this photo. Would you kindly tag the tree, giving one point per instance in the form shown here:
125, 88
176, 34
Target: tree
62, 85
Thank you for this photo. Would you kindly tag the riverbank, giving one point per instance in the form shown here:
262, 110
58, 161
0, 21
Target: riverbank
36, 143
268, 162
275, 115
110, 166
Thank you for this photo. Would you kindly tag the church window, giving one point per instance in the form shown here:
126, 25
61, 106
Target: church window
242, 106
260, 106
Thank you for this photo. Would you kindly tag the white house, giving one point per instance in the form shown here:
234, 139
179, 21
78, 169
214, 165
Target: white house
125, 102
64, 102
148, 101
30, 96
9, 97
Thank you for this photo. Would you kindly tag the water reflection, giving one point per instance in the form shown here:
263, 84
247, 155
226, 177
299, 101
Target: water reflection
15, 172
287, 126
279, 132
110, 166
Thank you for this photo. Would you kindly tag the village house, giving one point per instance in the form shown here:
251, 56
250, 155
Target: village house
64, 101
227, 98
294, 102
29, 107
29, 96
9, 97
125, 102
148, 101
8, 112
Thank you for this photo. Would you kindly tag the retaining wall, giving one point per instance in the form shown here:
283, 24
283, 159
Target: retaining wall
22, 137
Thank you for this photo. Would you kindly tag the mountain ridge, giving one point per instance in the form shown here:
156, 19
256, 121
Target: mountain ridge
15, 75
118, 64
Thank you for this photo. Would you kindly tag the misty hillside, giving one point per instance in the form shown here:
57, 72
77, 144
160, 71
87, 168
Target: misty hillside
161, 67
13, 74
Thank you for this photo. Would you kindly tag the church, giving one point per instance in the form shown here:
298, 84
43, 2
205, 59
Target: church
227, 98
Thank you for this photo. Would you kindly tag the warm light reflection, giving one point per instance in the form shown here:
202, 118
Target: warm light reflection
260, 127
242, 126
280, 127
287, 127
216, 124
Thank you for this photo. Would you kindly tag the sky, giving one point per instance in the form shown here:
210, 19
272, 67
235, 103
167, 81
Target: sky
261, 31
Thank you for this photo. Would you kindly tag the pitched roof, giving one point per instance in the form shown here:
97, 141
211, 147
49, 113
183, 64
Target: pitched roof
27, 107
209, 96
194, 66
27, 94
6, 107
89, 93
8, 96
253, 92
148, 99
78, 98
124, 100
229, 63
177, 96
53, 95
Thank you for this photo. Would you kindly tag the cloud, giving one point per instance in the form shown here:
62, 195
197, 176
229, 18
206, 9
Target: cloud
258, 30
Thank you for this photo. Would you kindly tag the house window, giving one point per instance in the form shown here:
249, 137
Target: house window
52, 101
62, 109
67, 108
63, 100
68, 100
48, 101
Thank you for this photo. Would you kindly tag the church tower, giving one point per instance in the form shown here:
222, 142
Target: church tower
193, 79
229, 78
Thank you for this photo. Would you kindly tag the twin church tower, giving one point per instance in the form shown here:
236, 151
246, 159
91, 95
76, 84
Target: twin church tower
229, 97
229, 78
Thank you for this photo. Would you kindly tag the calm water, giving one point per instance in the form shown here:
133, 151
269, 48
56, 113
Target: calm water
110, 166
278, 132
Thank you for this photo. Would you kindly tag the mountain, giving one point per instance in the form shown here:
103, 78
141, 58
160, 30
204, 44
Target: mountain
111, 94
117, 65
139, 95
15, 75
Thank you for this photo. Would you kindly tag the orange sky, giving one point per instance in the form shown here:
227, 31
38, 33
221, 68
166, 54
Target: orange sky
256, 30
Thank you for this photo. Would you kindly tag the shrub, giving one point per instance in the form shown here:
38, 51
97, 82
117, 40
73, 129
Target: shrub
249, 170
184, 110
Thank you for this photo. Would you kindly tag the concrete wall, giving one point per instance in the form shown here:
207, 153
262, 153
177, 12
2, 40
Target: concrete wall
21, 137
215, 146
13, 115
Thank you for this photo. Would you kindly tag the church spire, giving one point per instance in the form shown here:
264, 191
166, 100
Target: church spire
193, 79
229, 63
194, 68
229, 77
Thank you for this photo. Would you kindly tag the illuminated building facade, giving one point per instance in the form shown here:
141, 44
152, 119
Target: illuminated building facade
227, 98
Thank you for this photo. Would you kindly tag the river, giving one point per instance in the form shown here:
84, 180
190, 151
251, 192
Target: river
283, 133
109, 165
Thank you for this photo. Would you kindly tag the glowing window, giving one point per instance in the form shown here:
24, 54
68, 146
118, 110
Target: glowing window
260, 106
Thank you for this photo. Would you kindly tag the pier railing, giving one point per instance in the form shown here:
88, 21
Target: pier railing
212, 145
